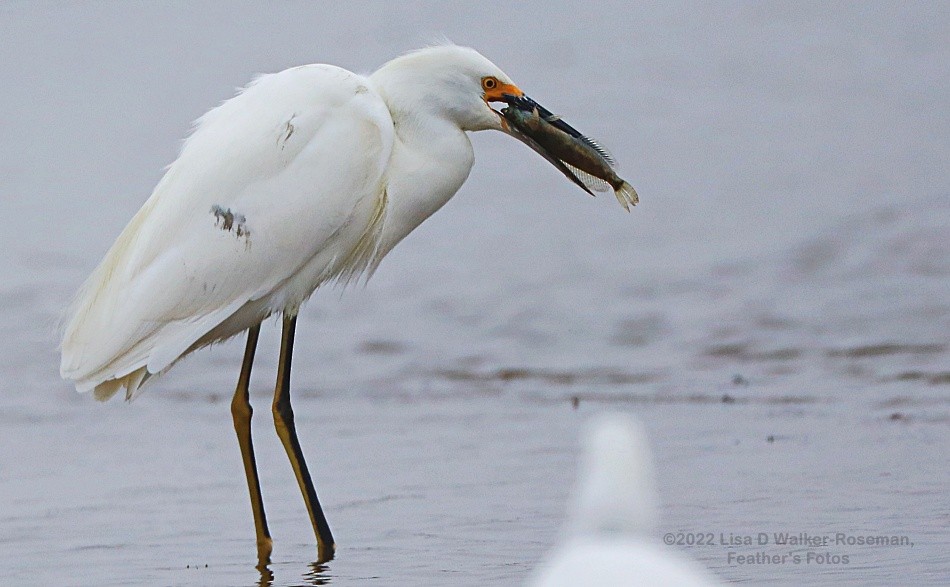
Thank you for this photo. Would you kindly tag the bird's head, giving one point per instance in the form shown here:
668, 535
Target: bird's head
616, 491
461, 86
452, 82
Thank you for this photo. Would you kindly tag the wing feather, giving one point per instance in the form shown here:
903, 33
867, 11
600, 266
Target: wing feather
273, 189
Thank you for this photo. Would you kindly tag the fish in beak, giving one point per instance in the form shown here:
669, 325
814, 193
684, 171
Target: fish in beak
579, 158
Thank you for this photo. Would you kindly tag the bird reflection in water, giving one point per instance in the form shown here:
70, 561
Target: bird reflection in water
318, 574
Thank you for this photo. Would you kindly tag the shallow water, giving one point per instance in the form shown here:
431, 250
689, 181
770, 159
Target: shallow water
776, 310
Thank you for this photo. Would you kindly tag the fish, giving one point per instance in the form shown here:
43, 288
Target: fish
581, 159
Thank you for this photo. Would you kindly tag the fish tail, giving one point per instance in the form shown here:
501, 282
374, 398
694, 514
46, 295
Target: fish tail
627, 196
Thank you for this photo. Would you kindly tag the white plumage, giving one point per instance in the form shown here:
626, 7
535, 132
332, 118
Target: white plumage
609, 540
308, 175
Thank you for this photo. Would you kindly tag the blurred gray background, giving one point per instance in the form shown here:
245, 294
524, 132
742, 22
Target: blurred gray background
790, 254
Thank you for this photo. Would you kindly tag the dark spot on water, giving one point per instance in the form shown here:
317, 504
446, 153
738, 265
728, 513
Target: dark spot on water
770, 438
516, 374
674, 399
855, 370
938, 378
815, 256
884, 349
730, 270
773, 322
777, 355
548, 376
726, 350
738, 379
382, 347
781, 370
937, 401
898, 417
898, 401
362, 503
638, 332
743, 352
908, 376
575, 402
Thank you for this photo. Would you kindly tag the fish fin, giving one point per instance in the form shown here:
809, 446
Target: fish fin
590, 182
627, 196
601, 150
560, 165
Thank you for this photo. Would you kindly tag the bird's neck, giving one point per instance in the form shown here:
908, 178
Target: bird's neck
431, 159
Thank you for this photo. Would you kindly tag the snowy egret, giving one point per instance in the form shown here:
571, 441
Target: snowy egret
609, 539
308, 176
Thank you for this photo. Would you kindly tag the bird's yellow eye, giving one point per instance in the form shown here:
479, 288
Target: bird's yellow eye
489, 83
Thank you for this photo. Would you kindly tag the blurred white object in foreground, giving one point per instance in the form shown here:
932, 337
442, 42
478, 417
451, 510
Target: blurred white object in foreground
610, 538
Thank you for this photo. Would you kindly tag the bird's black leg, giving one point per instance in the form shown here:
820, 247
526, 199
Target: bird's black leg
241, 412
284, 421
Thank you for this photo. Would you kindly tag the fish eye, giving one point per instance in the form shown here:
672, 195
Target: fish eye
489, 83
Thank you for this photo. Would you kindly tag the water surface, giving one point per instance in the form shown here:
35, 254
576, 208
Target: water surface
776, 310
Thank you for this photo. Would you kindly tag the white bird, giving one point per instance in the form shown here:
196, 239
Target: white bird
610, 538
308, 176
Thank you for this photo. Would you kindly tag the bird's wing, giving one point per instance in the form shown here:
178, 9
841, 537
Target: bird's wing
270, 195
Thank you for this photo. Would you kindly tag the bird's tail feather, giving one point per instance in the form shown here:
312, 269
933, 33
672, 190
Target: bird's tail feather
131, 382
